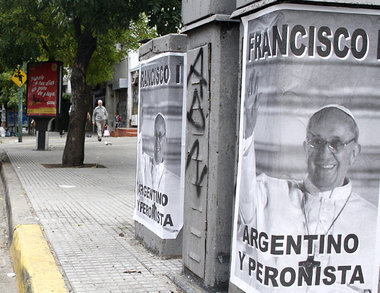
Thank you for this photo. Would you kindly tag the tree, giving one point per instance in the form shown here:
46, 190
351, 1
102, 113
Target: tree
165, 15
107, 55
76, 32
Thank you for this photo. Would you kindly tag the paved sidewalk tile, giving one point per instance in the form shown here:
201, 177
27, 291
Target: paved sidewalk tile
87, 214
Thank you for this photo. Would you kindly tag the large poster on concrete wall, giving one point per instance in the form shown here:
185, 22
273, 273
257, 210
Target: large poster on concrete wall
309, 157
160, 153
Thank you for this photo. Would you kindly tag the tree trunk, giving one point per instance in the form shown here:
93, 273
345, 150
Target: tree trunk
73, 155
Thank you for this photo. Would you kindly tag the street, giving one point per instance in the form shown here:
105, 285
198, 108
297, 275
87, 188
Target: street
87, 215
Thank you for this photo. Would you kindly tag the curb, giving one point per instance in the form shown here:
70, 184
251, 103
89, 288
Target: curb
17, 206
34, 265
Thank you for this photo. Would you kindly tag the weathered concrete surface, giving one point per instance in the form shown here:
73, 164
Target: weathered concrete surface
168, 43
244, 7
195, 10
212, 97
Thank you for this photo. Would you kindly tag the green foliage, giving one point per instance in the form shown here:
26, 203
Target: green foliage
9, 90
82, 34
29, 32
42, 30
66, 96
138, 30
165, 15
103, 61
33, 30
15, 45
96, 16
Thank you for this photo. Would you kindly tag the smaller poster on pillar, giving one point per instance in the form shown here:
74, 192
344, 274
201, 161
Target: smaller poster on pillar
160, 146
44, 88
306, 216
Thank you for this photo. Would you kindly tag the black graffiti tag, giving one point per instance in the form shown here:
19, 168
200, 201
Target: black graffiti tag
196, 99
196, 104
199, 177
199, 124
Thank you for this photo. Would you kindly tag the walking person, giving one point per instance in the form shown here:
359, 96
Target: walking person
100, 116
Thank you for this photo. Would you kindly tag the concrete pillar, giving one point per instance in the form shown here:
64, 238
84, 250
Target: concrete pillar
247, 7
162, 247
212, 95
133, 72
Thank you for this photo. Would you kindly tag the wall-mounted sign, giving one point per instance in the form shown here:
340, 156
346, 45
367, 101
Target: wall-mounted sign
44, 89
308, 174
161, 136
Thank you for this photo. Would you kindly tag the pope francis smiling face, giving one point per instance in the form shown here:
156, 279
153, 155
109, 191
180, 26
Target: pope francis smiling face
331, 146
159, 138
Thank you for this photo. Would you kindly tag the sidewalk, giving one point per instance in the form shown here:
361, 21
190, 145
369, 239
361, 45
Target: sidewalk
86, 215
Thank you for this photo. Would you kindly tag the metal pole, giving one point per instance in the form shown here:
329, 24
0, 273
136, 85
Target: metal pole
20, 94
20, 114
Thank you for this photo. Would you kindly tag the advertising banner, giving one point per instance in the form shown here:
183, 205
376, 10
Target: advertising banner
308, 174
160, 152
44, 89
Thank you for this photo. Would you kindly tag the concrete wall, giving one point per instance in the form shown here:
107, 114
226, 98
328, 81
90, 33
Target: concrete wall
115, 88
161, 247
121, 70
194, 10
133, 73
167, 43
213, 51
245, 6
214, 72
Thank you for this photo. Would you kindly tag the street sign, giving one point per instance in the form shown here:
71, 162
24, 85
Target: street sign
19, 77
